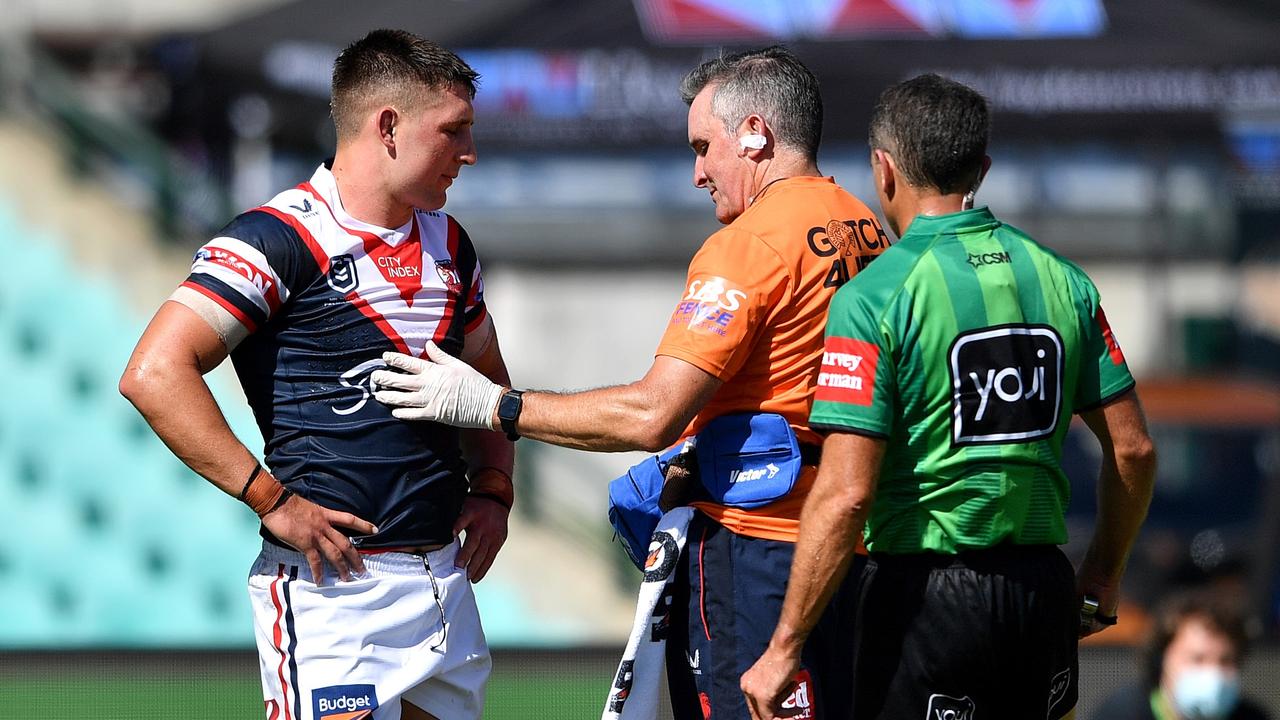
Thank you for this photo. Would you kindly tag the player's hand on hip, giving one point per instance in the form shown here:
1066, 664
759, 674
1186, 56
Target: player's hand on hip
439, 388
313, 531
767, 683
485, 523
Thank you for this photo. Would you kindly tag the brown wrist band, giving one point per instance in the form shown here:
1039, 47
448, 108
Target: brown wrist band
501, 492
263, 497
504, 502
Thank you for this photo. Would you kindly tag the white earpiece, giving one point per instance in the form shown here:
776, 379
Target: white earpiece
753, 141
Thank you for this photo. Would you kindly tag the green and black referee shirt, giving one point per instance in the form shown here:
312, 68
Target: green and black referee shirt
967, 346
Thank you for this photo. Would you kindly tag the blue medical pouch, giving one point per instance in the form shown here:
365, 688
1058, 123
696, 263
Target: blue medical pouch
633, 503
744, 460
747, 460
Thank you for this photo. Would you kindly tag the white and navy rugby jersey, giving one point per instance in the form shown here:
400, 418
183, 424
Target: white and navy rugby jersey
323, 295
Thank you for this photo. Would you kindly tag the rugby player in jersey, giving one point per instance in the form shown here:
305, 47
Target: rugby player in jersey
953, 367
744, 337
361, 595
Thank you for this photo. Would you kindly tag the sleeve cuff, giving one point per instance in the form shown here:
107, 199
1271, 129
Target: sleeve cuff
828, 428
710, 368
1108, 399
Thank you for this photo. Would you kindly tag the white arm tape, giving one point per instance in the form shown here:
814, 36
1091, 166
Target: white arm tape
478, 341
229, 329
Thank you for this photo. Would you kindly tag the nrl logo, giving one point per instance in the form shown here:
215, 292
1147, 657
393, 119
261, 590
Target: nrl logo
342, 274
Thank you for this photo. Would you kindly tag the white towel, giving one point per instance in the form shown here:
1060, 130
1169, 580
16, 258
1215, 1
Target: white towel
635, 691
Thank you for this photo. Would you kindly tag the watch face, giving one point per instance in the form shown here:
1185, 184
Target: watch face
509, 405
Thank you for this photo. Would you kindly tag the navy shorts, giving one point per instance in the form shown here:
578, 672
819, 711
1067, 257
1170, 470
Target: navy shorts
983, 634
726, 600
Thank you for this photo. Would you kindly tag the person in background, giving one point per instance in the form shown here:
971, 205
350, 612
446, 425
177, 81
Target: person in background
1191, 666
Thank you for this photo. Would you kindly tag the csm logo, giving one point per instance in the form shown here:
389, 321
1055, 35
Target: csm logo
747, 475
945, 707
344, 702
1007, 384
359, 378
718, 291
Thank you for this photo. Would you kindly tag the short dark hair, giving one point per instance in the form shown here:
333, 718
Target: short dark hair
772, 83
936, 130
1214, 612
395, 63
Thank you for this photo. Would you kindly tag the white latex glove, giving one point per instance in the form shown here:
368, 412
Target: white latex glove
440, 388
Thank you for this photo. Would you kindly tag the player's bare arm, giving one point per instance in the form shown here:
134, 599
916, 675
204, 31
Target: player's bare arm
648, 414
490, 461
1125, 485
164, 381
833, 517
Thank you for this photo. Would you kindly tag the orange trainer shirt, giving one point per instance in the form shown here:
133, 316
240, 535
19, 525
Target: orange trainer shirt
754, 311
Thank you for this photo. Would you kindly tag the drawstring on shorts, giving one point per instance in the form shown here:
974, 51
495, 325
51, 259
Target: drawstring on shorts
435, 591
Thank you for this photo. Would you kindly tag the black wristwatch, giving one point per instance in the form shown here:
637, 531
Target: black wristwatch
509, 406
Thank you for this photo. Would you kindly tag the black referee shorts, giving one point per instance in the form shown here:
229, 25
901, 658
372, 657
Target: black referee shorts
983, 635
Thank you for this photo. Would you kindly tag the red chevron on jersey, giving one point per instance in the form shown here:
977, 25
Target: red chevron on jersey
324, 296
386, 282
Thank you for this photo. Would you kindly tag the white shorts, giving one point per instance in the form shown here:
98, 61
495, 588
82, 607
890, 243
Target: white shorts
352, 650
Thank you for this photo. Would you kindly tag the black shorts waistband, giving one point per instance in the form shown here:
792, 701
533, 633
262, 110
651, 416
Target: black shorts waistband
972, 557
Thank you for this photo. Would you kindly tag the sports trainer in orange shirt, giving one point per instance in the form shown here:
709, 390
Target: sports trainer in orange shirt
746, 336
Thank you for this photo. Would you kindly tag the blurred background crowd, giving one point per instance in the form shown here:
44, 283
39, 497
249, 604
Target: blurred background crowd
1139, 138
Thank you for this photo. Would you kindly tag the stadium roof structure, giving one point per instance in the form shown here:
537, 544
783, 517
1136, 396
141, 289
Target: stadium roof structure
560, 72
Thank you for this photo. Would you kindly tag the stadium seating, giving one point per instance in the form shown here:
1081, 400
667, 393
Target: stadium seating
111, 541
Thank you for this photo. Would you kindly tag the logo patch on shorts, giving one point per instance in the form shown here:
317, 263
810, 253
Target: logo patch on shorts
344, 702
799, 704
945, 707
1058, 688
848, 373
1008, 384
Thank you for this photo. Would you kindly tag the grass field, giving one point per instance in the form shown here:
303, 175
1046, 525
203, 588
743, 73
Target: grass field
224, 686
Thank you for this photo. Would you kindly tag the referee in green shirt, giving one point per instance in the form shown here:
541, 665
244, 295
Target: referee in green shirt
953, 365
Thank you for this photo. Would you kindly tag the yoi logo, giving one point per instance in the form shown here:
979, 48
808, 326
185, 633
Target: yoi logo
1007, 384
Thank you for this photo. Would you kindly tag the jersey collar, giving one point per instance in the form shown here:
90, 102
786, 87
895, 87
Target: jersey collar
325, 184
965, 220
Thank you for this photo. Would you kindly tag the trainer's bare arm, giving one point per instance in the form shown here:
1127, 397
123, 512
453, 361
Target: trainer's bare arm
1125, 484
648, 414
164, 380
490, 461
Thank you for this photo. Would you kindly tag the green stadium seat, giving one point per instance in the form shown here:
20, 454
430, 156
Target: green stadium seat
134, 550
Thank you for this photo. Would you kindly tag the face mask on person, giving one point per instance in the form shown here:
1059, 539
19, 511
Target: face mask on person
1206, 693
